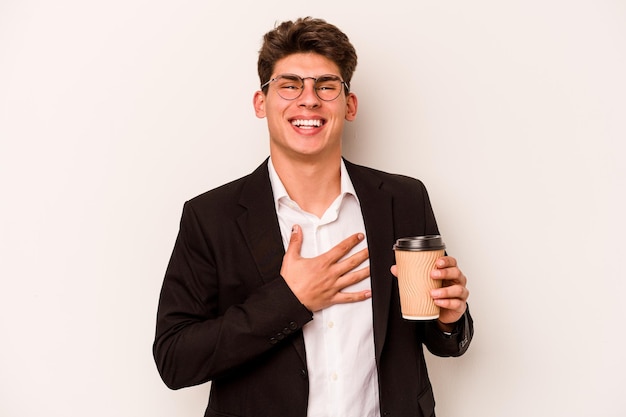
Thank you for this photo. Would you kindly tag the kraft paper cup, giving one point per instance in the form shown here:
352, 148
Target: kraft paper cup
415, 259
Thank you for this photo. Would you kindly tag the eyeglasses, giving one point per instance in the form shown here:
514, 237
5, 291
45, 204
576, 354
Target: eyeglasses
290, 86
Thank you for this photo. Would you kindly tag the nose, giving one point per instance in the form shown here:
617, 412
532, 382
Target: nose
309, 97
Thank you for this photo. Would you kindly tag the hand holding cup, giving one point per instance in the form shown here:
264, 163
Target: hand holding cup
431, 285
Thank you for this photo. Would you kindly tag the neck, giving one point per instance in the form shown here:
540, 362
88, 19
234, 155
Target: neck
313, 185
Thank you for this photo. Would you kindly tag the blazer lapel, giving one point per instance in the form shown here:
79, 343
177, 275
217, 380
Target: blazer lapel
259, 225
376, 206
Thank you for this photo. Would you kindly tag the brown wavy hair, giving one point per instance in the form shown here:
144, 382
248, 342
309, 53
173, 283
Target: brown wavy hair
304, 35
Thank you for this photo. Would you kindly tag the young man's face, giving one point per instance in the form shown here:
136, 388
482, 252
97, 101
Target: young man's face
307, 127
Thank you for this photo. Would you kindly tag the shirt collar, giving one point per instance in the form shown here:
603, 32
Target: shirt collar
280, 192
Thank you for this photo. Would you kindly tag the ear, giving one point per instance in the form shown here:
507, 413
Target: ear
352, 105
259, 104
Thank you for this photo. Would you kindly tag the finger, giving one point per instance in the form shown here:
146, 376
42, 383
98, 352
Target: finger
295, 242
343, 248
449, 274
351, 297
458, 292
394, 270
445, 262
453, 304
352, 278
351, 262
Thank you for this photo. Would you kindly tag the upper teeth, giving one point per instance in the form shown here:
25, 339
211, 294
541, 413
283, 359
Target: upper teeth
316, 123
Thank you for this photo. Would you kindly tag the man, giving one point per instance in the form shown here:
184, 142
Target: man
281, 289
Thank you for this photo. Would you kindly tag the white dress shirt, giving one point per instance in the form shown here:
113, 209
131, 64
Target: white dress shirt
339, 341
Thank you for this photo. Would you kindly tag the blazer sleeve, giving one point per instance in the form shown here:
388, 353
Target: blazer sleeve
436, 341
454, 344
208, 324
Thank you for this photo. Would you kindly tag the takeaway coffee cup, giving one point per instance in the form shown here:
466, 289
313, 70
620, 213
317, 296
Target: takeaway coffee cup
415, 259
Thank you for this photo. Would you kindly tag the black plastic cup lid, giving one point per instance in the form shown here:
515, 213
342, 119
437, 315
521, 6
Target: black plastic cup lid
420, 243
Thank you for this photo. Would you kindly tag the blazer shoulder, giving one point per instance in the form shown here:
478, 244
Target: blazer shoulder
220, 194
226, 196
386, 180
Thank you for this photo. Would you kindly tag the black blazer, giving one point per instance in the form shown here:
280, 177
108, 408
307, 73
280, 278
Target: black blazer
225, 315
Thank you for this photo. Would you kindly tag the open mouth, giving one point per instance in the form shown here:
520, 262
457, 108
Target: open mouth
307, 123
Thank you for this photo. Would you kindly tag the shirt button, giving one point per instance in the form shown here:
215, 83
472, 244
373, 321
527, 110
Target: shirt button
331, 324
334, 376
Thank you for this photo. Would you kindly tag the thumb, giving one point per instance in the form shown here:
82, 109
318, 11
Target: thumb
394, 270
295, 241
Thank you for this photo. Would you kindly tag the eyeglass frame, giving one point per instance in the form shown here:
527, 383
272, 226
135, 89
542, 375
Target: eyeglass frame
345, 85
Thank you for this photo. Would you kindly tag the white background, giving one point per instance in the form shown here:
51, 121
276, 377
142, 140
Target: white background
113, 113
